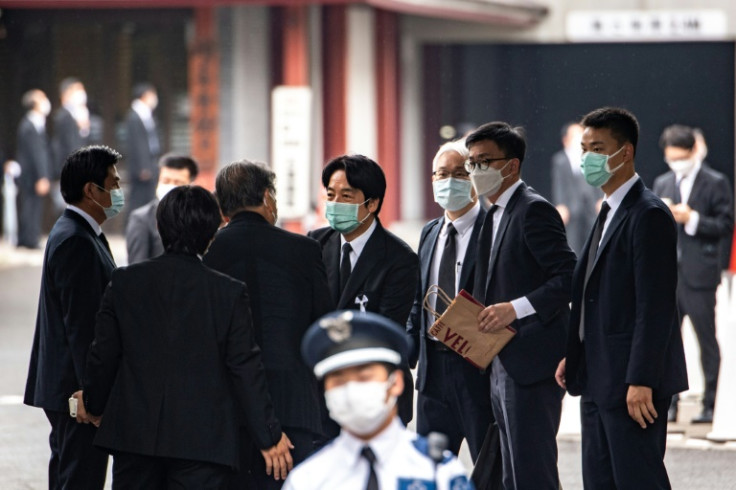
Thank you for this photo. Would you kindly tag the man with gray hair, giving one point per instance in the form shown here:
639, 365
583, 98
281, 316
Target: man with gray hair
288, 291
454, 397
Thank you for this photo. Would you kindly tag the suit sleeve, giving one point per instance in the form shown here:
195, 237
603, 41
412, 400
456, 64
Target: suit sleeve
560, 189
414, 325
717, 221
104, 355
137, 239
77, 272
401, 285
243, 358
545, 238
137, 151
655, 281
321, 298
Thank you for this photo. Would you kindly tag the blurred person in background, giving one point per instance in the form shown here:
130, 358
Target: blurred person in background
33, 155
701, 202
142, 145
141, 235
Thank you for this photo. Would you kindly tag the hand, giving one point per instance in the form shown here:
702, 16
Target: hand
560, 374
82, 416
496, 317
42, 186
639, 402
278, 458
681, 213
564, 213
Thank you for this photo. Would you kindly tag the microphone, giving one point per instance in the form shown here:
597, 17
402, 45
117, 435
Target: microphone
437, 444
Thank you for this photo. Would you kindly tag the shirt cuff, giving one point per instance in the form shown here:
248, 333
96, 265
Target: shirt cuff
522, 307
692, 224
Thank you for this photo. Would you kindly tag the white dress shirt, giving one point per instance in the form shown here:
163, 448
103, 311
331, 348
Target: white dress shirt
686, 186
92, 222
615, 200
399, 464
522, 306
358, 244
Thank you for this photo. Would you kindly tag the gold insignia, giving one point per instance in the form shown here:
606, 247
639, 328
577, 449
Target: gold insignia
338, 328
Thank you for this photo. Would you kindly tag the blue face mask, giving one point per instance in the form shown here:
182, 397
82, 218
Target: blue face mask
117, 199
343, 216
451, 193
596, 169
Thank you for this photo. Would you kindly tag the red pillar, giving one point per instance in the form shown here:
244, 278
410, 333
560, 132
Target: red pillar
389, 130
334, 53
204, 82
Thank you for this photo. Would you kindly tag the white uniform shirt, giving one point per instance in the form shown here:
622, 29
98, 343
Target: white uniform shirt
399, 465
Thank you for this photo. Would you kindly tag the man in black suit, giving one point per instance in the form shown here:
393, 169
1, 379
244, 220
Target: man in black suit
174, 363
77, 267
454, 397
142, 145
624, 349
288, 286
71, 130
32, 153
523, 273
701, 202
368, 268
141, 235
575, 200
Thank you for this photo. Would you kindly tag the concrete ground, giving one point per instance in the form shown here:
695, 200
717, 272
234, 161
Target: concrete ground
692, 461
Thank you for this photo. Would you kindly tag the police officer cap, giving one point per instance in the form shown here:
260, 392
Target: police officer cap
349, 338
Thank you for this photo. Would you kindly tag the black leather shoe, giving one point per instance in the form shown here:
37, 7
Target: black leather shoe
705, 417
672, 413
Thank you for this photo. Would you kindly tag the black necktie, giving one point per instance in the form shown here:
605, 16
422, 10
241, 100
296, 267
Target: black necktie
484, 255
448, 267
678, 196
345, 267
372, 483
592, 251
104, 241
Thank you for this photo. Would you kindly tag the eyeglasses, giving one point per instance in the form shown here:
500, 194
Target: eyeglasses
482, 164
457, 174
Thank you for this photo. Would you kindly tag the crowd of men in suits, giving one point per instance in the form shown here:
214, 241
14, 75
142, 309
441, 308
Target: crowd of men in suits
186, 366
41, 157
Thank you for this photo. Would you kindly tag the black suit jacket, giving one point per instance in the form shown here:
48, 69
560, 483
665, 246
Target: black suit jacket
387, 273
288, 287
139, 155
141, 234
418, 325
632, 334
571, 190
76, 269
700, 254
66, 139
174, 350
33, 155
531, 258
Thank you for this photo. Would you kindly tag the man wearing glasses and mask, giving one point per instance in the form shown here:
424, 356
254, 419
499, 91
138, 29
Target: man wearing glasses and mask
523, 276
454, 396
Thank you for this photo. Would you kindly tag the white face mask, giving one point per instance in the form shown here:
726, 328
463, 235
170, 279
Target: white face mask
488, 181
682, 167
45, 107
163, 189
360, 407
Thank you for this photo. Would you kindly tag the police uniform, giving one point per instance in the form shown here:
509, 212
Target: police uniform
402, 460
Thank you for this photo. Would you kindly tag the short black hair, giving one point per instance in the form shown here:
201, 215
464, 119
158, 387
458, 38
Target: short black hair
187, 219
66, 83
362, 174
87, 164
566, 127
178, 162
242, 184
623, 124
679, 136
509, 139
141, 88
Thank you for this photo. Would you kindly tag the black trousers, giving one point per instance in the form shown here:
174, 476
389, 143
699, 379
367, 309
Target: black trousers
618, 454
136, 471
252, 472
75, 462
700, 306
528, 417
29, 222
456, 400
